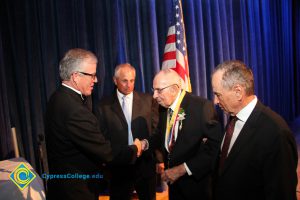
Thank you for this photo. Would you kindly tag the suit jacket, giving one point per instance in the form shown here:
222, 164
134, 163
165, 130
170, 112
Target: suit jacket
262, 162
114, 126
74, 145
197, 145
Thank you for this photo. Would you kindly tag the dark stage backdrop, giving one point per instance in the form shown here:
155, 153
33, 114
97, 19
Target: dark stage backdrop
36, 33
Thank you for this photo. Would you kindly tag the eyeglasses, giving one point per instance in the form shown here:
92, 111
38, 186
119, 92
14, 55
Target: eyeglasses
93, 76
160, 90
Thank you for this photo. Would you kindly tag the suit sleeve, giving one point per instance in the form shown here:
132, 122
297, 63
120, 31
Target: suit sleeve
126, 155
204, 160
84, 133
154, 114
154, 122
101, 119
279, 180
156, 139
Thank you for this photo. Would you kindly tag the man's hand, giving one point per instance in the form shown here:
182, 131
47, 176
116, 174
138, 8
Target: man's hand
138, 144
172, 174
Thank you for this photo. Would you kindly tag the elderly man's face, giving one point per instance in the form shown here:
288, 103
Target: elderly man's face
87, 77
226, 99
125, 80
165, 91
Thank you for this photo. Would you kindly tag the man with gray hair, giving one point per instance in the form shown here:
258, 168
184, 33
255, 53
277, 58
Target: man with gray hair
124, 116
75, 146
258, 157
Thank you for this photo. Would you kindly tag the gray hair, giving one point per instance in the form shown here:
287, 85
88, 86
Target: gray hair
72, 60
120, 66
236, 72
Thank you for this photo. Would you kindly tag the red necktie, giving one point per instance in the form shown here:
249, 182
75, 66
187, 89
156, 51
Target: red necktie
227, 139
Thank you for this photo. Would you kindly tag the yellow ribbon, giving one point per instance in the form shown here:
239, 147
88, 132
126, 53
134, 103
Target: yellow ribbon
171, 123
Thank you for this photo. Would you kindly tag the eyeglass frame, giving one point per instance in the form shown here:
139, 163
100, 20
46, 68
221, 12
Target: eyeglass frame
93, 76
159, 90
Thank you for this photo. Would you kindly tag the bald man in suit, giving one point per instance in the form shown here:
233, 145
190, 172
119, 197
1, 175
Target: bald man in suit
189, 135
121, 125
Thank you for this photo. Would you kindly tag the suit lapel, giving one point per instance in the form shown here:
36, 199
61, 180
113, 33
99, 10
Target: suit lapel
245, 135
136, 109
163, 116
116, 108
136, 106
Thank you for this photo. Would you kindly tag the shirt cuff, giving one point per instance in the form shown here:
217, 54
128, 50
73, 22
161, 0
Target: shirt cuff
146, 144
187, 169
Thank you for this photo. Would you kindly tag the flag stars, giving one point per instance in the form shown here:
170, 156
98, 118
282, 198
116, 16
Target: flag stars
178, 42
177, 24
177, 15
178, 32
176, 6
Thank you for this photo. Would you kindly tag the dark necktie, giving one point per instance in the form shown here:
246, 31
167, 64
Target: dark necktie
172, 134
227, 139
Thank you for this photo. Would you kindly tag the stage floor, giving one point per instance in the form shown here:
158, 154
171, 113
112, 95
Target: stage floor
159, 196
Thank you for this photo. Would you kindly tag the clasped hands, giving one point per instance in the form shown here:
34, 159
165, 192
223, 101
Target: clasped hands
141, 146
172, 174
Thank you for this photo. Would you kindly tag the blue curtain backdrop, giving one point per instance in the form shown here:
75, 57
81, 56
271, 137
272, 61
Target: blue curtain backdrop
36, 33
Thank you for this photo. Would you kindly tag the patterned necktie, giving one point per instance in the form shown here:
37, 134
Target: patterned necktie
125, 108
227, 139
171, 141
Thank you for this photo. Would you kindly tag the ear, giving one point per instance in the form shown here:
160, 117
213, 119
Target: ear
174, 90
239, 91
180, 83
115, 80
74, 77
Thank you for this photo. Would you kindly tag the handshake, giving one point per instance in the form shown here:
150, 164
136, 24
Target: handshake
141, 145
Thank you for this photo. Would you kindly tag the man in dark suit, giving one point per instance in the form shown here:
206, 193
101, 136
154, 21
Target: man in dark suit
120, 127
75, 146
189, 135
258, 158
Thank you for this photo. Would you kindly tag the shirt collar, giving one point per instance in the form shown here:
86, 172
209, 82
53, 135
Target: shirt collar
173, 106
77, 91
128, 96
244, 114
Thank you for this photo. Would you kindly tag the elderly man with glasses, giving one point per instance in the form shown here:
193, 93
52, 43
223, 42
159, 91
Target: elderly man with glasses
190, 136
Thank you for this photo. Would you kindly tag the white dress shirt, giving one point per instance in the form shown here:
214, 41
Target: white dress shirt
129, 100
173, 106
242, 116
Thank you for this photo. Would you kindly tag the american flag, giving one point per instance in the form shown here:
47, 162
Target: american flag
175, 53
